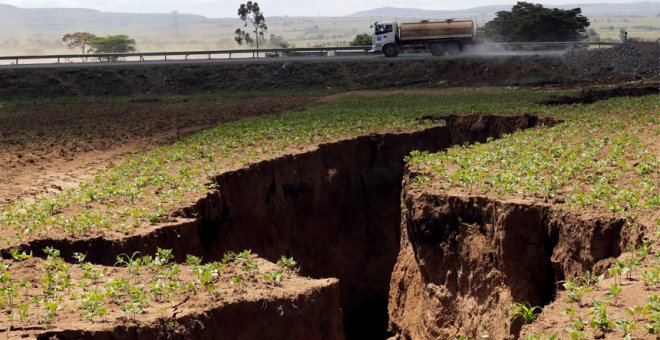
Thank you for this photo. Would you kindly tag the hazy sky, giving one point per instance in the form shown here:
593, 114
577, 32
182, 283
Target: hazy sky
225, 8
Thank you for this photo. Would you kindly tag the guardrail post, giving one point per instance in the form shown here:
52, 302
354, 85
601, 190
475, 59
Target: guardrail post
58, 60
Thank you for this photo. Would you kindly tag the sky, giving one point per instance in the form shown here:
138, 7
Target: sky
224, 8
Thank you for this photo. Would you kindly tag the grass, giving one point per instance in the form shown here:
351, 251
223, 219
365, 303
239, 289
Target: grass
145, 188
601, 157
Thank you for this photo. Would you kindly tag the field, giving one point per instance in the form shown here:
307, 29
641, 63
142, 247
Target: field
326, 213
299, 32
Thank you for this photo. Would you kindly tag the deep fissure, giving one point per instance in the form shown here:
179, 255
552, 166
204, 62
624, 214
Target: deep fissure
336, 209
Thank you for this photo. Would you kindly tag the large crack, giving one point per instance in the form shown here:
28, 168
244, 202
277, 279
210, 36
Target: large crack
335, 209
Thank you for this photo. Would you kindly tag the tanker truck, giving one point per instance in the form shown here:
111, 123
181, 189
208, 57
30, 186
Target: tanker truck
438, 37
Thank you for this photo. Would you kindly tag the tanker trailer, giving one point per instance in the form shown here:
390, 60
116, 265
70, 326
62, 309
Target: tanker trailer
438, 37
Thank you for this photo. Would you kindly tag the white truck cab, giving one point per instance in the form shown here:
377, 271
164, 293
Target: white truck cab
384, 33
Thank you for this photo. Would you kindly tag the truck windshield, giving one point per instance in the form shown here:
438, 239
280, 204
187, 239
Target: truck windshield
380, 29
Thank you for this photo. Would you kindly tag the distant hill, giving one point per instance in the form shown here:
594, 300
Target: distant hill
598, 10
10, 15
393, 12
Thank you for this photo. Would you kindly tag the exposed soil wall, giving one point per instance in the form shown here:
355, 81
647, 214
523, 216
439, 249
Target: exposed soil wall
464, 260
141, 80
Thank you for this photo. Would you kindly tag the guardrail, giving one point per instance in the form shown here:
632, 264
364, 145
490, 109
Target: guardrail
556, 44
275, 52
268, 52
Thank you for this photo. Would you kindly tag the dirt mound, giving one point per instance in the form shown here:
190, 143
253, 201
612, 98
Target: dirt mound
464, 260
593, 95
139, 80
637, 59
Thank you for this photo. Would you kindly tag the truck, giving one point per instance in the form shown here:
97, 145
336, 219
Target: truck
437, 36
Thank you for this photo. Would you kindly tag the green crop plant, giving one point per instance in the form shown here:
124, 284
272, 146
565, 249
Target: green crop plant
288, 263
578, 335
524, 312
80, 257
235, 280
575, 291
94, 305
601, 319
23, 311
171, 291
576, 330
193, 260
275, 277
626, 327
51, 307
645, 249
618, 270
133, 262
636, 312
651, 277
613, 293
18, 255
156, 288
116, 288
591, 280
90, 273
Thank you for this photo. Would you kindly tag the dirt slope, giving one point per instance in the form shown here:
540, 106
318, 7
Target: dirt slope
464, 260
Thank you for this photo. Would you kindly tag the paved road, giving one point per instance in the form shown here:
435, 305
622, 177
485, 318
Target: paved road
403, 57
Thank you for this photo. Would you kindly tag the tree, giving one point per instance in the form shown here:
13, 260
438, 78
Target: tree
79, 40
533, 22
363, 39
113, 44
251, 15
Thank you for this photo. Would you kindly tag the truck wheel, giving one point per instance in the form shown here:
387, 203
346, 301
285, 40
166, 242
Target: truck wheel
453, 48
438, 49
390, 51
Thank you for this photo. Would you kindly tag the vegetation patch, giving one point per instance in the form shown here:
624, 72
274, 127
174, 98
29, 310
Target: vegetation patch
602, 157
148, 289
601, 164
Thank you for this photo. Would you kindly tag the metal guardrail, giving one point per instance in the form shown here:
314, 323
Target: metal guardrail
141, 55
561, 43
556, 44
275, 52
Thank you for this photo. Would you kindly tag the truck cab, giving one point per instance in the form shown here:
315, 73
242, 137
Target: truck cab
384, 34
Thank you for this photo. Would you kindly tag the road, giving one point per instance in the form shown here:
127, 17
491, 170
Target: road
402, 57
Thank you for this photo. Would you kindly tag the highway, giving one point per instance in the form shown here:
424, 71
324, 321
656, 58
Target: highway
344, 58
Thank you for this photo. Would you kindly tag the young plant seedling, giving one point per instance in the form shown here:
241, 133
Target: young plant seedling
525, 312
